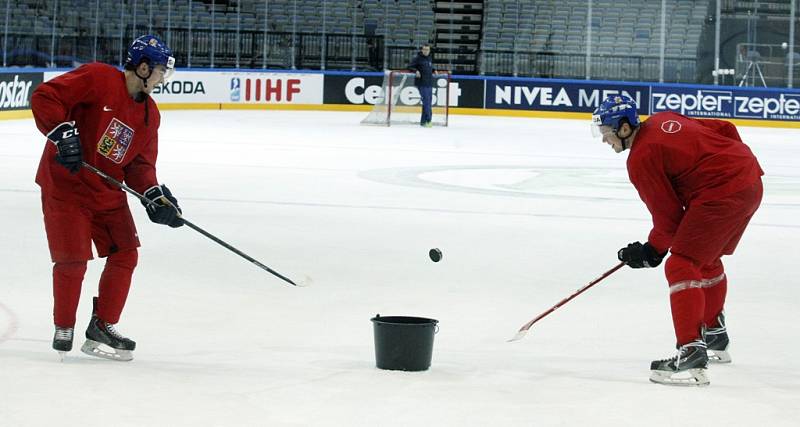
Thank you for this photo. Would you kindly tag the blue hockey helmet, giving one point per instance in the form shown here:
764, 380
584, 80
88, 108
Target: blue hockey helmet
611, 112
152, 50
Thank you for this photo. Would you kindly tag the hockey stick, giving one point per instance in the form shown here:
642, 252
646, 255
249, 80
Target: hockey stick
524, 329
185, 221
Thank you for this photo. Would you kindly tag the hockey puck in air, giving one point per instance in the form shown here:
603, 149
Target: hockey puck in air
435, 254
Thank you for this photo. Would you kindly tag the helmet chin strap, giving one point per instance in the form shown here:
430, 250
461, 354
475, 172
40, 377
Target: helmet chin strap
625, 141
141, 96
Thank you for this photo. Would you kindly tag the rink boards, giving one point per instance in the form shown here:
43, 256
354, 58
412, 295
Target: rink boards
477, 95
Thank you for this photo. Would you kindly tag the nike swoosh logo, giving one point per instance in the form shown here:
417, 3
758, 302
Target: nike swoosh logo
105, 108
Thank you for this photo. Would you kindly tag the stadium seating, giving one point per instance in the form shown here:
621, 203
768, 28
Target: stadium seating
619, 28
526, 29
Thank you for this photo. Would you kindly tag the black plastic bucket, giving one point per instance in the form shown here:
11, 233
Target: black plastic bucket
404, 343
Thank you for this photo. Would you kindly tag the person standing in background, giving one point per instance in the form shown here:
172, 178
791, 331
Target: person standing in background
422, 65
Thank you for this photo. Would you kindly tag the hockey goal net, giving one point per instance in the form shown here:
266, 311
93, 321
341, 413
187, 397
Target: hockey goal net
400, 101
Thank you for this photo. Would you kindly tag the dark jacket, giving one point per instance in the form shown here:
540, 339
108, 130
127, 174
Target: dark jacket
423, 64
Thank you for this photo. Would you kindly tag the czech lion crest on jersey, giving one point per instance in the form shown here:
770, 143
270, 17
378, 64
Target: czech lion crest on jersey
115, 141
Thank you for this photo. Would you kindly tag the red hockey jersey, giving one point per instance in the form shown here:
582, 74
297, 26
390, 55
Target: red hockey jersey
676, 161
118, 135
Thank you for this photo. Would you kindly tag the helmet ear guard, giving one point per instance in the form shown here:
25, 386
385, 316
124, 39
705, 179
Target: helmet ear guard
621, 122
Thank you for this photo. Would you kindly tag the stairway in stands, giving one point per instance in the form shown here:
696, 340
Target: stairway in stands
459, 25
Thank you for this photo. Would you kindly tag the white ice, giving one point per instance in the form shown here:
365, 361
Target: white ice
525, 211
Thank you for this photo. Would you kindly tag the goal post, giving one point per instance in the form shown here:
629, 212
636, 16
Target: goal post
400, 102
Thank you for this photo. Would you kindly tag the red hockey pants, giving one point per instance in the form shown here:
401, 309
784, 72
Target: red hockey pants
71, 229
696, 276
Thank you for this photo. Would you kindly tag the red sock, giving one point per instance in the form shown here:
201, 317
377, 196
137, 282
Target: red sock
67, 280
687, 314
715, 290
686, 297
115, 282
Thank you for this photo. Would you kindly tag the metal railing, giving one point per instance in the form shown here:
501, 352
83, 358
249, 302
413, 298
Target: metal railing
267, 34
283, 50
207, 48
571, 65
764, 64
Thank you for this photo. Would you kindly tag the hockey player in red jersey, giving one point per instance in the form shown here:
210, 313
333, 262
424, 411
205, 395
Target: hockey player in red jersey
105, 117
702, 185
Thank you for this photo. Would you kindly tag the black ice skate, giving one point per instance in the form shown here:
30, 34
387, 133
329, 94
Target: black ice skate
62, 341
100, 333
687, 368
718, 342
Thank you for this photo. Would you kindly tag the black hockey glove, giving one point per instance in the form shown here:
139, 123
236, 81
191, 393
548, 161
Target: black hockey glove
68, 143
638, 255
166, 210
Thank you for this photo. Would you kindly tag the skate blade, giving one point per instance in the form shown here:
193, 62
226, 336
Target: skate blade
62, 355
719, 356
689, 378
92, 348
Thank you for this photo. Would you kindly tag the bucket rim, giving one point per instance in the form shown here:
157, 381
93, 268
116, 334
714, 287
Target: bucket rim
415, 320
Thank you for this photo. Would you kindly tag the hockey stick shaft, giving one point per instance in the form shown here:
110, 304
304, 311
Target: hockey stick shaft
187, 222
524, 329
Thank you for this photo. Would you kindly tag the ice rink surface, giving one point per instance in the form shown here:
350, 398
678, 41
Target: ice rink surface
525, 211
